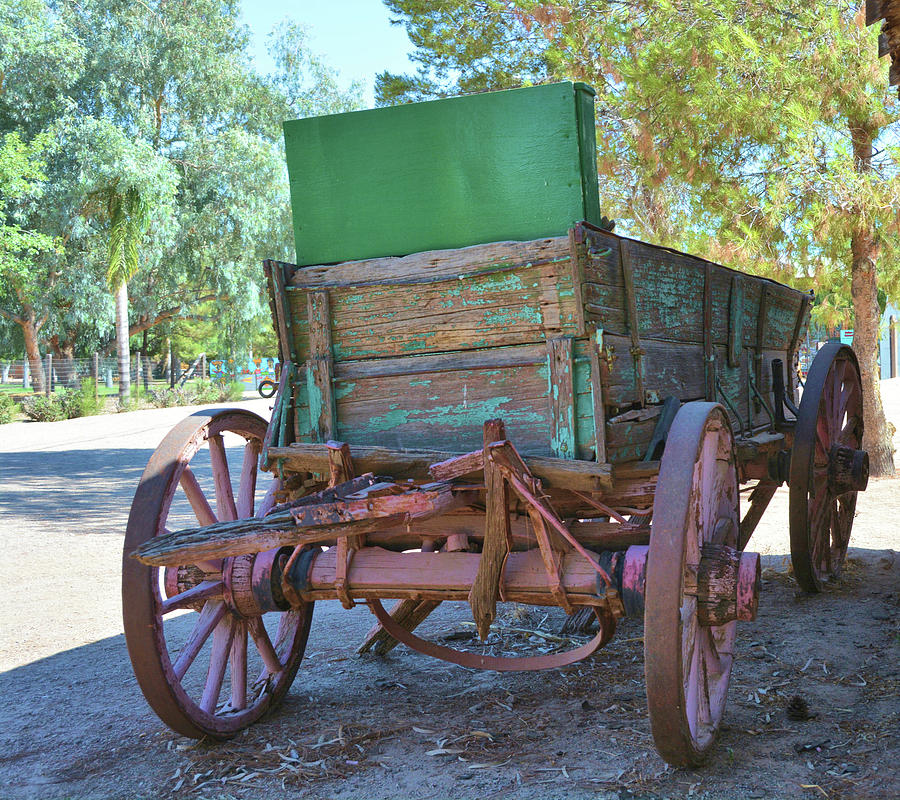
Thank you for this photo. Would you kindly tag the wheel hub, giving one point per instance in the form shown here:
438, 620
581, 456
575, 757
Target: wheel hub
252, 583
848, 470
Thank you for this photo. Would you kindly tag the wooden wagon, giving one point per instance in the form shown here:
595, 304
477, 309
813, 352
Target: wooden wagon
564, 421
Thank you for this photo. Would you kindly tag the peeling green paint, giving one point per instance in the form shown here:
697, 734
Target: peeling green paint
461, 415
343, 389
420, 383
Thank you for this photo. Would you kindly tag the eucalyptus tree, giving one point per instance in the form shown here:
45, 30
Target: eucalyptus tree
22, 251
756, 133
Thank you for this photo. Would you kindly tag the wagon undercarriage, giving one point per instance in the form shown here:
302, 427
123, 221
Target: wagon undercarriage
659, 539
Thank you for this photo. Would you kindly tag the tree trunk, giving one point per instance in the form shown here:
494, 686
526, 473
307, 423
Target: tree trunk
124, 356
30, 330
64, 361
864, 288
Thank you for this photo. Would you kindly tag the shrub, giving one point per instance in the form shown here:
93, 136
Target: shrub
8, 409
45, 409
216, 392
81, 403
168, 397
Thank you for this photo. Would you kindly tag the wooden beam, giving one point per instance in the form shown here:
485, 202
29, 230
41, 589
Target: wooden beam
298, 525
563, 473
485, 589
320, 367
561, 397
633, 322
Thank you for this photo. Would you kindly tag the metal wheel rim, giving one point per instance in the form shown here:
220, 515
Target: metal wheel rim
697, 487
830, 412
141, 593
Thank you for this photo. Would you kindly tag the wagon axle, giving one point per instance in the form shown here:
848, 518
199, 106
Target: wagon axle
725, 582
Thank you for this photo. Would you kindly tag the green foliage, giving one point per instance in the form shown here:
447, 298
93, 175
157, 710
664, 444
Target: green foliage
21, 182
202, 393
726, 128
162, 162
88, 405
63, 404
9, 408
41, 408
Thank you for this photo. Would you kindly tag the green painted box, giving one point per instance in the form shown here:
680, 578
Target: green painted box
516, 165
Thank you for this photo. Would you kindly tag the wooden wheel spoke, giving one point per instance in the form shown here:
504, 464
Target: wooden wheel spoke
247, 485
239, 668
205, 590
833, 390
194, 493
268, 502
164, 642
823, 437
225, 506
223, 636
704, 713
264, 645
849, 393
848, 437
211, 615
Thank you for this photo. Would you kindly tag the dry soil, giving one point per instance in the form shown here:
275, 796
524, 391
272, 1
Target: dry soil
73, 723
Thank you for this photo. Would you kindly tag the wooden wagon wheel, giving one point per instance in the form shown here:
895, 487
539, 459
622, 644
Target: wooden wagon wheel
180, 661
687, 662
827, 466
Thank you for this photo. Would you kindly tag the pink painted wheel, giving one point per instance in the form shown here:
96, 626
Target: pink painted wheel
214, 646
828, 467
688, 663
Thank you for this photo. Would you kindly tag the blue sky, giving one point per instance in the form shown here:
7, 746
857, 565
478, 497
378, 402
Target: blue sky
354, 37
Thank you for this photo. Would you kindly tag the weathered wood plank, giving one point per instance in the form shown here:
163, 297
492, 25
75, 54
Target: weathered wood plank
297, 525
282, 316
402, 464
320, 368
485, 589
669, 288
434, 265
499, 309
430, 411
561, 397
490, 358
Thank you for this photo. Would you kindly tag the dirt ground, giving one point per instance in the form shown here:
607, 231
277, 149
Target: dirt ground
73, 723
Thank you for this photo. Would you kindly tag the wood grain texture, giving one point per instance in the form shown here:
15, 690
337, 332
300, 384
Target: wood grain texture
526, 303
562, 397
497, 544
320, 367
402, 464
442, 174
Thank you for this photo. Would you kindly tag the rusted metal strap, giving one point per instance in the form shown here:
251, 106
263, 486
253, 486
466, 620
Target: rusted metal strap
637, 351
761, 330
498, 664
792, 353
273, 431
595, 347
709, 358
341, 470
735, 322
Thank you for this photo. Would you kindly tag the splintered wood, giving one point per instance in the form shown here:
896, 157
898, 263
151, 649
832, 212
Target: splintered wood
305, 524
486, 586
